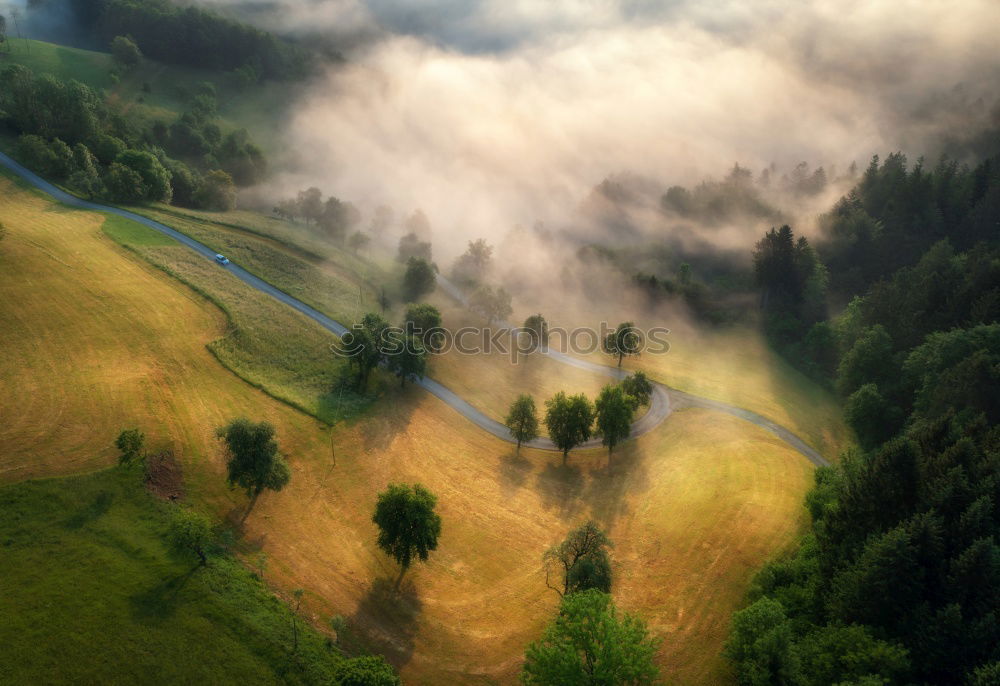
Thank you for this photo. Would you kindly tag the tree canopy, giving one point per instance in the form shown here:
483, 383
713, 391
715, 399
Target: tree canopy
522, 420
569, 420
614, 409
581, 560
408, 526
419, 279
624, 341
590, 643
253, 460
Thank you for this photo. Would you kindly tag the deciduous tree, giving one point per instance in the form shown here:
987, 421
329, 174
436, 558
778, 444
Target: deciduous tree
419, 279
624, 341
191, 532
569, 421
537, 329
581, 560
408, 526
589, 643
522, 420
253, 460
424, 322
639, 388
614, 416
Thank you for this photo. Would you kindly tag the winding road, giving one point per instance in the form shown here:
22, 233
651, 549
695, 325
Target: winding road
662, 401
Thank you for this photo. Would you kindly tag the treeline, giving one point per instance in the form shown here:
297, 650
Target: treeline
68, 133
896, 212
740, 195
919, 245
191, 36
898, 579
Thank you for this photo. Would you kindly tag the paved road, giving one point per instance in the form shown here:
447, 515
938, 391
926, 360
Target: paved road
662, 400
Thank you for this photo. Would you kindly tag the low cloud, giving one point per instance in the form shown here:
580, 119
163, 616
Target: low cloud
489, 114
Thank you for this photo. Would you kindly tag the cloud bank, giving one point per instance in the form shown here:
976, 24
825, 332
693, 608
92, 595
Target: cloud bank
488, 114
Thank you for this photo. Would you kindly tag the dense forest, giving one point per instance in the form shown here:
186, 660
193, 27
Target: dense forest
68, 133
191, 36
898, 579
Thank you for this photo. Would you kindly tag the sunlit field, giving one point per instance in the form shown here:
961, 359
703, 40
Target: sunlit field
671, 501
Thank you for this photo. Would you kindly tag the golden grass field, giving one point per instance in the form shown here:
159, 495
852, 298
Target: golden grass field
98, 340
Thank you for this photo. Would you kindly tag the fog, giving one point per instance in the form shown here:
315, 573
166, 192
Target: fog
489, 114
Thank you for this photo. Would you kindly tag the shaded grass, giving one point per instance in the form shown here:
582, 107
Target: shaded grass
95, 596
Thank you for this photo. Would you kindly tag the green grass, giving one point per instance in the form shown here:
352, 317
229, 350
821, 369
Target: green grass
341, 285
267, 343
93, 594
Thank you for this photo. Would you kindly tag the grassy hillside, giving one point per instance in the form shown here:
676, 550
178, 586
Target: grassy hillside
100, 340
96, 596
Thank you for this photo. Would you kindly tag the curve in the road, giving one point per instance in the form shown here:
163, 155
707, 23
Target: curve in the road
663, 398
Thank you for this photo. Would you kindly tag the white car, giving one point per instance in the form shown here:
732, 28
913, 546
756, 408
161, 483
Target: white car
222, 259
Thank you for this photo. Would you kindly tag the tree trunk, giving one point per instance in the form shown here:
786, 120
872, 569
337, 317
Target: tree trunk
250, 505
518, 451
565, 455
399, 579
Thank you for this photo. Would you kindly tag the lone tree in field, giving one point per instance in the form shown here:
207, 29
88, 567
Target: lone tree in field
590, 643
639, 388
581, 560
419, 279
569, 421
191, 532
623, 342
537, 329
614, 416
408, 526
130, 443
254, 463
522, 420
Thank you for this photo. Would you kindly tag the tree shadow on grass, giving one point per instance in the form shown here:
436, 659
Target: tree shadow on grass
560, 487
388, 617
396, 405
613, 481
513, 471
100, 505
162, 600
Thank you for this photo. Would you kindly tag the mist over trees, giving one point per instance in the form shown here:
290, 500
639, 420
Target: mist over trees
473, 266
